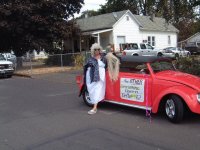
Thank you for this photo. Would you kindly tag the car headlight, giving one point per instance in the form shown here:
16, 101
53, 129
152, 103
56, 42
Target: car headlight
10, 65
198, 97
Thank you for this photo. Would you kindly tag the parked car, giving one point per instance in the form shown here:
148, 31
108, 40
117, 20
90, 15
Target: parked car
193, 47
152, 84
140, 49
177, 51
10, 57
6, 67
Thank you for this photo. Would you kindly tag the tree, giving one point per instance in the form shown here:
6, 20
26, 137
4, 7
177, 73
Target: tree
118, 5
35, 24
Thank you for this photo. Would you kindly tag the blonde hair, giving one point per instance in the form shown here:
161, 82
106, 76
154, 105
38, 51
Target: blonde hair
113, 66
95, 46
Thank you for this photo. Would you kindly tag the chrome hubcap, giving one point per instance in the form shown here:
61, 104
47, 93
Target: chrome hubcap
170, 108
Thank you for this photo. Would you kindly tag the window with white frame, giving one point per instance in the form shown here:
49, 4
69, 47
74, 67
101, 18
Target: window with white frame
151, 40
169, 39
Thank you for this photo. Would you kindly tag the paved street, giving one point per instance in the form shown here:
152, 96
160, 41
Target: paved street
45, 113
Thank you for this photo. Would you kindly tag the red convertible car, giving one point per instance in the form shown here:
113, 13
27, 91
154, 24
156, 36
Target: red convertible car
151, 83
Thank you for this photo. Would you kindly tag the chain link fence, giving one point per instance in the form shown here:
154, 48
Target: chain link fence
52, 63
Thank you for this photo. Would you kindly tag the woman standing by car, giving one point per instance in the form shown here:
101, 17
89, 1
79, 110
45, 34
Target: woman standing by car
94, 73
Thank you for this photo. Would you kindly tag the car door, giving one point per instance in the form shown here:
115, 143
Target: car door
180, 51
150, 50
143, 50
133, 88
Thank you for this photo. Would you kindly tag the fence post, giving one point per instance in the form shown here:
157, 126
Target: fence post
31, 66
61, 60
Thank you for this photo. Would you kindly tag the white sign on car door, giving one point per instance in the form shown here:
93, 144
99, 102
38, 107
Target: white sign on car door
132, 89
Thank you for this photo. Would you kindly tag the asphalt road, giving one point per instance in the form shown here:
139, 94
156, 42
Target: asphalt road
45, 113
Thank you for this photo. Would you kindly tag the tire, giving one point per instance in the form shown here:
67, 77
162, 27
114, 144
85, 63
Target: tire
135, 55
159, 54
86, 99
174, 109
9, 76
176, 56
188, 54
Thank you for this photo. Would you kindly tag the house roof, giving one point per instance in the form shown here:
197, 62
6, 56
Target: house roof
194, 35
158, 24
106, 21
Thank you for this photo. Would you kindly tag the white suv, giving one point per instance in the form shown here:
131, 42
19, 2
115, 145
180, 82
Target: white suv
6, 67
140, 49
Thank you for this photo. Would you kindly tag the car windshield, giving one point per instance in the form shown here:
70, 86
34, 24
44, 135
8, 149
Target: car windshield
2, 57
162, 66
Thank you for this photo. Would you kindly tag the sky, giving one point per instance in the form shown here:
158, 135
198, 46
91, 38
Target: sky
91, 5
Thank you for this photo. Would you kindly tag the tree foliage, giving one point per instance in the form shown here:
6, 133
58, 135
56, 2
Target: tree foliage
89, 13
35, 24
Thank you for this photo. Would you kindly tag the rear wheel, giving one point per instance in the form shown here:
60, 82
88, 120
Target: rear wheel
86, 98
174, 109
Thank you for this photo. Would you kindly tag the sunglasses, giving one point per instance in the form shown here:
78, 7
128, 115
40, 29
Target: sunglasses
97, 49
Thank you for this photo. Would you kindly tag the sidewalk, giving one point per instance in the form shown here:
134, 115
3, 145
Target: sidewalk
39, 71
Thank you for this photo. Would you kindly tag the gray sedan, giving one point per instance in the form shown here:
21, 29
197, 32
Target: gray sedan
176, 52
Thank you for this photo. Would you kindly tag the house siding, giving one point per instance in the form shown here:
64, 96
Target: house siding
129, 29
161, 38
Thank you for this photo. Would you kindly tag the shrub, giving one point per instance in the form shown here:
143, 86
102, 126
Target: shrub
189, 65
79, 60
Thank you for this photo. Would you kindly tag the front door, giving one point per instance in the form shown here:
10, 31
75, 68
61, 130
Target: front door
132, 88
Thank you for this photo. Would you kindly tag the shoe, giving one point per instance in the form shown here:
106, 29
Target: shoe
91, 112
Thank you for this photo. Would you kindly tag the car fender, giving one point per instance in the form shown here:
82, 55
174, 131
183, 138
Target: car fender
186, 93
81, 85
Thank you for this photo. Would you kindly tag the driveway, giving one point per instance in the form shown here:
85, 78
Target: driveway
45, 113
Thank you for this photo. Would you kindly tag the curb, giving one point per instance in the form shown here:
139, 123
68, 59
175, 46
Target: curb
22, 75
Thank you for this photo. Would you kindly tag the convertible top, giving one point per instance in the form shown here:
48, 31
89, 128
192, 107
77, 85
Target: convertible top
142, 59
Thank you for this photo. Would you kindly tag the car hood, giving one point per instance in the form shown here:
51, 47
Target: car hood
180, 77
4, 62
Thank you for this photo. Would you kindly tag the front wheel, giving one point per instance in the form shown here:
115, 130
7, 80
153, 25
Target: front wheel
159, 54
86, 99
9, 76
176, 56
174, 109
188, 54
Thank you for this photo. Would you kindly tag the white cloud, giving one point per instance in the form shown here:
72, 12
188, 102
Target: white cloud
91, 5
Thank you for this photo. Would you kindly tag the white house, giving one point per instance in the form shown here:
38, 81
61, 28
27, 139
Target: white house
123, 27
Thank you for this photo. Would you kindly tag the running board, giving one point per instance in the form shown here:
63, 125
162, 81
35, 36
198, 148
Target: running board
129, 105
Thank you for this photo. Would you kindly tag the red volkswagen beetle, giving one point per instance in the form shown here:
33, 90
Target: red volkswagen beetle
151, 83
